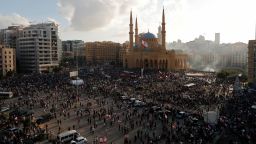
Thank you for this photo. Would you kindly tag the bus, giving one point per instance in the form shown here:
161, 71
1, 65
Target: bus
6, 95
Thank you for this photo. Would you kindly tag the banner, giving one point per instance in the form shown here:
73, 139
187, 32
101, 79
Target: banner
73, 74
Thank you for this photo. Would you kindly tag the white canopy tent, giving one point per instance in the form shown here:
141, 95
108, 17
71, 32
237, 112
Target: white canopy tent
77, 82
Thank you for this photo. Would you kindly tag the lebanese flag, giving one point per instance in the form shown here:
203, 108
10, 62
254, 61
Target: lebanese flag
144, 44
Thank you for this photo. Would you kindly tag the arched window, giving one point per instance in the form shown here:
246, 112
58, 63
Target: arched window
137, 63
166, 64
141, 63
160, 64
146, 63
151, 63
156, 65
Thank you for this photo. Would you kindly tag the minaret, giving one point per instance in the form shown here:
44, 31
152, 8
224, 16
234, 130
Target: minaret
136, 33
163, 30
131, 32
159, 35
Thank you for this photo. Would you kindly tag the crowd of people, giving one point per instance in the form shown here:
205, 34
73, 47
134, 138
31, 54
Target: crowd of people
172, 110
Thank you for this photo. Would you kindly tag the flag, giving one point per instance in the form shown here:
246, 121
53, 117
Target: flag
165, 115
174, 125
144, 44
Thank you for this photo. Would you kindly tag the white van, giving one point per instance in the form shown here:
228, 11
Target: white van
67, 136
79, 140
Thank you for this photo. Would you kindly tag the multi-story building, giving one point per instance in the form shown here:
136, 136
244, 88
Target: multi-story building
7, 60
72, 48
8, 36
38, 48
252, 61
123, 50
217, 38
103, 52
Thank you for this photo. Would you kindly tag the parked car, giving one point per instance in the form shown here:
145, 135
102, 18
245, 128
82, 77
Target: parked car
44, 118
181, 115
79, 140
67, 136
139, 103
13, 130
124, 98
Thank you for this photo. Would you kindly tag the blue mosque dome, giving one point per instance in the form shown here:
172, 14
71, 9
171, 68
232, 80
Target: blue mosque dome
148, 35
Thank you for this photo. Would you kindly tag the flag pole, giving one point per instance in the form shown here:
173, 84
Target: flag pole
77, 73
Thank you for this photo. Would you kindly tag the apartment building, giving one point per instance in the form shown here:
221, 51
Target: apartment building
72, 48
8, 36
7, 60
103, 52
38, 48
252, 61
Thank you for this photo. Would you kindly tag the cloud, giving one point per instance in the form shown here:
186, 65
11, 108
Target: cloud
87, 15
66, 9
185, 19
112, 17
14, 19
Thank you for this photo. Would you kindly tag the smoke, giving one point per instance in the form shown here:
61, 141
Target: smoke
52, 20
206, 55
14, 19
208, 69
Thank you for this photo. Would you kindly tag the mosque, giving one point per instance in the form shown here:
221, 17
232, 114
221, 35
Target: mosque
149, 52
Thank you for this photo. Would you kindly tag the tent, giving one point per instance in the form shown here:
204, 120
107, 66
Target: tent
77, 82
211, 117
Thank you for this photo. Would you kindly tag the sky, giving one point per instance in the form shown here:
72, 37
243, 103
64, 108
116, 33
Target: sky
108, 20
